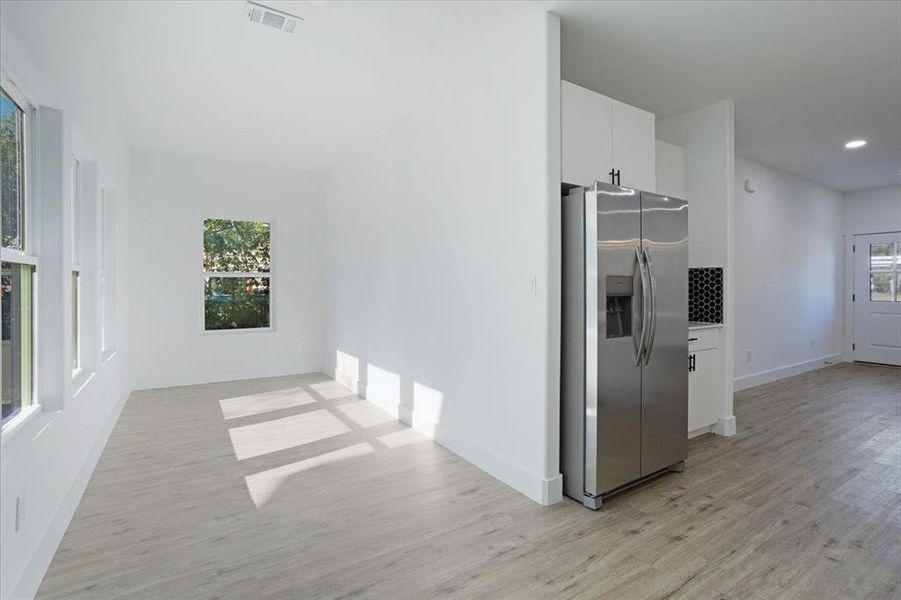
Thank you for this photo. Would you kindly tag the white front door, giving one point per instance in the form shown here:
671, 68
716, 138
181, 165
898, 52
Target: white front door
877, 298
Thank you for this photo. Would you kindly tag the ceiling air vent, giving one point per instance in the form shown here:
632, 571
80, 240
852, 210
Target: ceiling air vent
257, 13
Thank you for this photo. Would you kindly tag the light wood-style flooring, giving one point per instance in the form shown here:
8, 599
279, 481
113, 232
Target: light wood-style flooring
291, 488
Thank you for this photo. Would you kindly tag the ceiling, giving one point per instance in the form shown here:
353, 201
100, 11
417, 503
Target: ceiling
196, 78
806, 76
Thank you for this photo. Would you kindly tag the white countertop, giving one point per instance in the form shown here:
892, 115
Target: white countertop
702, 325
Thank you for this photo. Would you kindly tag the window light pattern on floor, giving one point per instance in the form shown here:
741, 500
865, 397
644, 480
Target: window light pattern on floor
323, 421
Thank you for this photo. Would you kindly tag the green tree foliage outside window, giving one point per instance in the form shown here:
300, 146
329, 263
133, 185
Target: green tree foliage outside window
239, 298
12, 174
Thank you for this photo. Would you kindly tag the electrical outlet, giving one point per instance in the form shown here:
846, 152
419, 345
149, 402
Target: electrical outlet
748, 355
533, 286
299, 345
813, 343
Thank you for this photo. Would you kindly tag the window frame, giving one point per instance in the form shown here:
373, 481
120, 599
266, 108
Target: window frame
107, 274
29, 112
76, 249
27, 255
237, 275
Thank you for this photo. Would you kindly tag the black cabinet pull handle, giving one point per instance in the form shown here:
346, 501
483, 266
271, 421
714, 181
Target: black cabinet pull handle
692, 339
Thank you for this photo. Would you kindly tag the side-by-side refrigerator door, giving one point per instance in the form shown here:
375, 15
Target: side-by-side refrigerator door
664, 411
614, 314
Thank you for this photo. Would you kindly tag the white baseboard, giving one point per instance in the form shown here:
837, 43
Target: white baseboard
755, 379
33, 574
201, 377
725, 426
701, 431
350, 382
541, 490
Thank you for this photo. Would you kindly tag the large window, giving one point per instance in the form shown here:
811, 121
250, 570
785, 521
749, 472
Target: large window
18, 266
236, 274
885, 272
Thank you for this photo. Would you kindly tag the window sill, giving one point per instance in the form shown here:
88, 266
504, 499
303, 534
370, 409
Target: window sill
14, 425
80, 380
106, 356
246, 330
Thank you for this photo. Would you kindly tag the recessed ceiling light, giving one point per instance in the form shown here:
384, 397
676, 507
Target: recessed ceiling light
855, 144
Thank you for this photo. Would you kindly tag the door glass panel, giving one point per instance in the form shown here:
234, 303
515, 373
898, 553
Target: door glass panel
881, 256
885, 272
881, 287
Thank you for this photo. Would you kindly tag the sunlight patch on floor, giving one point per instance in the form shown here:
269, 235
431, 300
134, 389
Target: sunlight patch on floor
331, 390
364, 413
288, 432
404, 437
263, 485
255, 404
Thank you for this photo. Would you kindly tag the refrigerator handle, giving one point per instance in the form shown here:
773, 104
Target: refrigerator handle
645, 300
652, 330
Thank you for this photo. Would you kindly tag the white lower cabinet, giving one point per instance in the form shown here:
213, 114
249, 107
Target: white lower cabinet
704, 387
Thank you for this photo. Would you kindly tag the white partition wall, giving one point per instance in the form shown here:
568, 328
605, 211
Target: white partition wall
438, 251
707, 138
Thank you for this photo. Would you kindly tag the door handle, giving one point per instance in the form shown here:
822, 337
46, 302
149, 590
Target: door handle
644, 306
691, 363
649, 344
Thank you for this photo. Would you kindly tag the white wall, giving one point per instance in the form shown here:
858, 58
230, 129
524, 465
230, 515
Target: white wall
172, 195
440, 246
788, 265
670, 169
875, 210
48, 460
707, 138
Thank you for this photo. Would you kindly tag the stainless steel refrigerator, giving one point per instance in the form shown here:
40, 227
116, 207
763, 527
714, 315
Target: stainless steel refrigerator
624, 402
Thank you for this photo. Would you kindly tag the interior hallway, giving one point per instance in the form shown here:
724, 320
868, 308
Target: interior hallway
804, 502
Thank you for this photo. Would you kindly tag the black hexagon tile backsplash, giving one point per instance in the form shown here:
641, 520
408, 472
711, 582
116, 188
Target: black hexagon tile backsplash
705, 294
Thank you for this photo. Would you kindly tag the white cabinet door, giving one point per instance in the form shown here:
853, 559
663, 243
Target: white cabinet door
587, 135
633, 146
703, 388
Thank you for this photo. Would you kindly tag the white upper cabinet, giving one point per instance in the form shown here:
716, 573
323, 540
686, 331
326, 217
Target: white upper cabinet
587, 130
601, 135
633, 147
